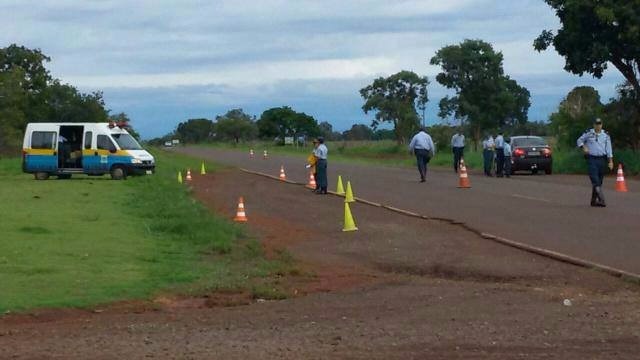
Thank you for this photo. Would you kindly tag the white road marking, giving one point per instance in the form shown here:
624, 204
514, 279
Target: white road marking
530, 198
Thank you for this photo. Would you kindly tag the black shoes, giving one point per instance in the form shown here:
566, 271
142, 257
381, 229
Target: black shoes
597, 197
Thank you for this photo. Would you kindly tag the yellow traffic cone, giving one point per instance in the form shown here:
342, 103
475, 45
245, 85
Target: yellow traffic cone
180, 177
340, 189
349, 224
202, 170
349, 194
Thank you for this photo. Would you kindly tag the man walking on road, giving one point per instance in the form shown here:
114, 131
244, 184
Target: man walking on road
457, 146
487, 154
499, 142
596, 145
320, 153
422, 146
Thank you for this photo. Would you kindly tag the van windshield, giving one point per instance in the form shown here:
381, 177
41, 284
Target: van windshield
126, 142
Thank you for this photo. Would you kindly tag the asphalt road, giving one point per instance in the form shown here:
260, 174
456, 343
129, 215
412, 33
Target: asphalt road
551, 212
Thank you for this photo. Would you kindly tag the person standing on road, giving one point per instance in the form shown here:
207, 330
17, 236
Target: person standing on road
457, 146
507, 157
596, 146
487, 153
320, 153
422, 146
499, 143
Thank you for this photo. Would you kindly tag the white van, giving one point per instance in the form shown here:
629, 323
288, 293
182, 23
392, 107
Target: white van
63, 149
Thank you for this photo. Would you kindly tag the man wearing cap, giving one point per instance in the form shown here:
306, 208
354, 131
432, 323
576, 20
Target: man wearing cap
422, 146
320, 153
596, 145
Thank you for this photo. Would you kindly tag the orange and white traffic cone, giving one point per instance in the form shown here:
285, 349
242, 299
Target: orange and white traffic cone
621, 185
312, 181
265, 155
240, 215
188, 178
464, 177
282, 174
251, 153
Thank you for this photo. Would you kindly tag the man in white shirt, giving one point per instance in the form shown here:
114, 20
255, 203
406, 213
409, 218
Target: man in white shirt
499, 154
457, 146
488, 146
422, 146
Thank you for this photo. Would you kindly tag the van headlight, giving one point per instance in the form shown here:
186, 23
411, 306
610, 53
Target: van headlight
136, 161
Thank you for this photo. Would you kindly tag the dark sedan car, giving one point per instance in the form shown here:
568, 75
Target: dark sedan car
530, 153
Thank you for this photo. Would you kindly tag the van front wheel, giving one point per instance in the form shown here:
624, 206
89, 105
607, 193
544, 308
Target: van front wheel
40, 175
117, 173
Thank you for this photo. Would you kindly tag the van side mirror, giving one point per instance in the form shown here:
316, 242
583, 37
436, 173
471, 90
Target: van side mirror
112, 149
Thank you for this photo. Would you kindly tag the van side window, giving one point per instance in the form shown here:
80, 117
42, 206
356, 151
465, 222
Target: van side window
104, 143
88, 136
43, 140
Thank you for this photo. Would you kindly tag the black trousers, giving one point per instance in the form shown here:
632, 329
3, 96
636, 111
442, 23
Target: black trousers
321, 169
422, 159
488, 161
458, 152
597, 166
499, 161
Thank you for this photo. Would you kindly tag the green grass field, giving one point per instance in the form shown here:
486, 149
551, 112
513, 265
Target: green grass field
89, 241
387, 152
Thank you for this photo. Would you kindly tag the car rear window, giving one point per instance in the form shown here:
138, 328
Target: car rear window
533, 141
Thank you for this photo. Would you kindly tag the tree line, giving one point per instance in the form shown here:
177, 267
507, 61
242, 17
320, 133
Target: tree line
28, 93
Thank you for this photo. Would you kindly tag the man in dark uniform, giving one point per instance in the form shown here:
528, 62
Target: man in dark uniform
596, 145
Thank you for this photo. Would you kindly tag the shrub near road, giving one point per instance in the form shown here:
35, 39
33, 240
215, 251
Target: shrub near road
89, 241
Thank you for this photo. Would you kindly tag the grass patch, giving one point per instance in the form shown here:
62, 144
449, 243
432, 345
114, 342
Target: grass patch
387, 152
88, 241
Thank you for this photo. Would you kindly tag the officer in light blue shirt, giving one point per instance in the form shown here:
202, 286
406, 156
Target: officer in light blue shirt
488, 146
596, 146
507, 157
499, 142
457, 146
422, 146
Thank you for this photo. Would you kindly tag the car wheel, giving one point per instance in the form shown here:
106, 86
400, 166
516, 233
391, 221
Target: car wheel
41, 175
117, 173
547, 171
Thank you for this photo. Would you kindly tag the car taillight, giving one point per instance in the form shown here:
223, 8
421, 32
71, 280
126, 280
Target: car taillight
518, 152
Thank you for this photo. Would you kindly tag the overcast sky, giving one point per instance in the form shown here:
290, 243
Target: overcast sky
163, 62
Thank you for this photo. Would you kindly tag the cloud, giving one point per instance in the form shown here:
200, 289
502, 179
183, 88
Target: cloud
165, 61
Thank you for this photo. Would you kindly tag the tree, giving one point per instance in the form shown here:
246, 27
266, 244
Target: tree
235, 125
485, 97
122, 118
13, 101
575, 113
64, 103
595, 33
394, 99
284, 121
358, 132
195, 130
619, 114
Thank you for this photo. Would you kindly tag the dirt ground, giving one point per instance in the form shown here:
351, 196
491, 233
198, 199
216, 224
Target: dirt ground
398, 288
